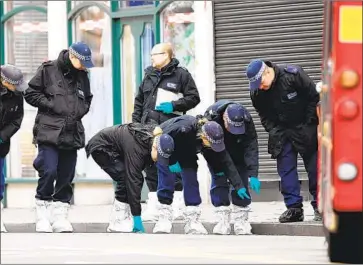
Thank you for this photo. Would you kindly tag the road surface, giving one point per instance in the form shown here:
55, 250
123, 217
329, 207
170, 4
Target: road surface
159, 249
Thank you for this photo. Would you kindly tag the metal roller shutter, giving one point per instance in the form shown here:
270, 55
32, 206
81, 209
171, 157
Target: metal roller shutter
281, 31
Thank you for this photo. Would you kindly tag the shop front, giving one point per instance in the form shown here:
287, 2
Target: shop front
121, 35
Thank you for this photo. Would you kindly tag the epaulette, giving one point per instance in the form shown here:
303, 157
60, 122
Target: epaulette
46, 63
49, 62
182, 67
291, 69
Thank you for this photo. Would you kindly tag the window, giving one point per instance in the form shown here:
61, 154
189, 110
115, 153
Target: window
26, 47
89, 27
92, 26
75, 3
128, 69
137, 3
178, 29
147, 42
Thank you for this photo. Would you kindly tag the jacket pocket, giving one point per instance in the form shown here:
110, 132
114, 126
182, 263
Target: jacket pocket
48, 129
275, 143
57, 96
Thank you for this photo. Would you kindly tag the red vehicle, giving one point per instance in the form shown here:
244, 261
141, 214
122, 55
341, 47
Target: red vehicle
340, 132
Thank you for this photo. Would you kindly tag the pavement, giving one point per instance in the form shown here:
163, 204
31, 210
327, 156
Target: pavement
94, 219
31, 248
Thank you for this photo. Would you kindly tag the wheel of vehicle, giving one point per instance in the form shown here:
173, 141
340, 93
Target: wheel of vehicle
346, 245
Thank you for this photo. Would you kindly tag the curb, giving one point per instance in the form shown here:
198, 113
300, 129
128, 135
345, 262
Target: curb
277, 229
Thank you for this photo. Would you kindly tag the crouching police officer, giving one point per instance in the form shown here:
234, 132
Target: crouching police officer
240, 139
11, 115
191, 136
123, 152
61, 92
286, 99
167, 91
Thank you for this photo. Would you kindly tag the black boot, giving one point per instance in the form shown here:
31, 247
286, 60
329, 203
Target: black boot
317, 215
292, 215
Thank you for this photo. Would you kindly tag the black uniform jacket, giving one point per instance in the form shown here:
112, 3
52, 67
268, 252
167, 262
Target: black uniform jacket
288, 110
131, 145
171, 78
11, 117
62, 95
243, 148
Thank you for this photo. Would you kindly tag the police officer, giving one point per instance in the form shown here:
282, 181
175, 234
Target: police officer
61, 92
166, 91
11, 114
240, 138
191, 136
123, 151
285, 98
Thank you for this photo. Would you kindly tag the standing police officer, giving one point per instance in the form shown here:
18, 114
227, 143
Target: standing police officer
240, 138
166, 91
285, 99
11, 115
61, 92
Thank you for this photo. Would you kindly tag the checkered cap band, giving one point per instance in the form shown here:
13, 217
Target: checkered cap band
235, 123
213, 141
259, 74
10, 81
79, 56
158, 147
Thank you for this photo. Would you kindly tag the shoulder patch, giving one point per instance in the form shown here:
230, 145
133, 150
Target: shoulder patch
291, 69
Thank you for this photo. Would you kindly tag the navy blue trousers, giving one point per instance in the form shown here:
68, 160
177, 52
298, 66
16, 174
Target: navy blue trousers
151, 179
55, 165
166, 186
2, 178
221, 190
290, 185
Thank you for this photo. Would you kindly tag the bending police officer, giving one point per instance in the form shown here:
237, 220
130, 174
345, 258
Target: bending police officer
11, 115
240, 139
123, 152
286, 99
191, 136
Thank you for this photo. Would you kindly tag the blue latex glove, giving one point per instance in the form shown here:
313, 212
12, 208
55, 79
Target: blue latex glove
175, 168
255, 184
166, 107
138, 226
243, 194
219, 174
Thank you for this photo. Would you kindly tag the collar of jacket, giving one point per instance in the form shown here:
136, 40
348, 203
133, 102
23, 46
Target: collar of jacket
65, 64
3, 90
167, 69
276, 70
